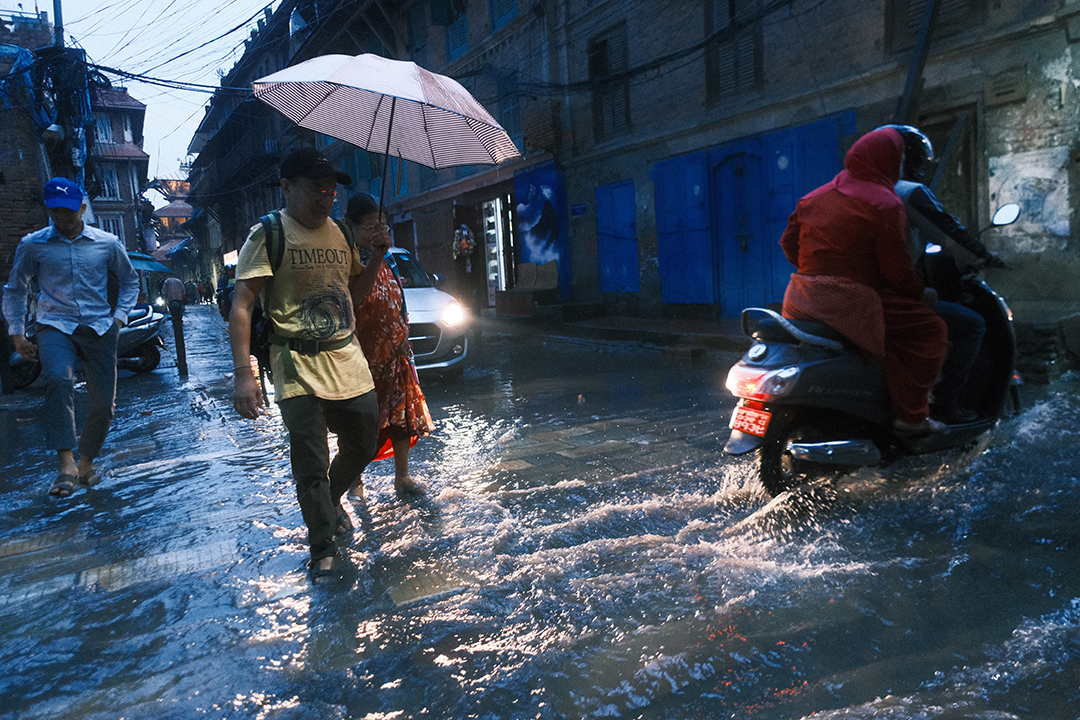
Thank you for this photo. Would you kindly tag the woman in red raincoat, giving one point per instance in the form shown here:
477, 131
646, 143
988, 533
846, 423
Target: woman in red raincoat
848, 240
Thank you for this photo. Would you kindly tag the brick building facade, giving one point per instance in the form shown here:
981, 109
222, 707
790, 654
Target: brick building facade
665, 144
59, 119
23, 163
119, 165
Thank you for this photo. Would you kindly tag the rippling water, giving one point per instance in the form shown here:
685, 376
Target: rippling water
586, 552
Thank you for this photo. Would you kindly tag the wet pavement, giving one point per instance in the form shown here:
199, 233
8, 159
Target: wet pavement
195, 504
585, 551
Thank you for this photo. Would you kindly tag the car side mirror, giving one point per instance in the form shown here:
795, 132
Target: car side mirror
438, 279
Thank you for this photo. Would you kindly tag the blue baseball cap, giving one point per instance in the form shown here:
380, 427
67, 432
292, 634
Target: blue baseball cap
63, 193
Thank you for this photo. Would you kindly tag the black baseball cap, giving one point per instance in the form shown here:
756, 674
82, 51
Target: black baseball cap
310, 163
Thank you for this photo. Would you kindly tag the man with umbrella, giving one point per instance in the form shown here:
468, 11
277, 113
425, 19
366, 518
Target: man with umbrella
321, 379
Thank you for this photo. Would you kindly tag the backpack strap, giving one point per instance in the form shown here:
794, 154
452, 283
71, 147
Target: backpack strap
346, 230
274, 232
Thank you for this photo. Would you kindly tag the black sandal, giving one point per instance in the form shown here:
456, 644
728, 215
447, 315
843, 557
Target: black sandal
64, 485
344, 522
320, 575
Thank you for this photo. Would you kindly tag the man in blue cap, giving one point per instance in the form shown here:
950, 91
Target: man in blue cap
76, 323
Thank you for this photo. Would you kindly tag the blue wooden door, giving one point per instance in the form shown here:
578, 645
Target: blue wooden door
736, 183
617, 245
755, 185
684, 242
796, 161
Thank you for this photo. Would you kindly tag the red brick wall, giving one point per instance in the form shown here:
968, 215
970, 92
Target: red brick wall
21, 180
22, 165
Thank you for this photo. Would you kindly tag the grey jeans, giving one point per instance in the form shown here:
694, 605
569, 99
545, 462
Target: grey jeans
319, 482
60, 354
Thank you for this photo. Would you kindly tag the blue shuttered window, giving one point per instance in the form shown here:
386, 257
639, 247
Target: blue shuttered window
502, 12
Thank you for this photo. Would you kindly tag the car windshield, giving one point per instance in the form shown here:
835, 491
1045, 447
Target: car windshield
412, 275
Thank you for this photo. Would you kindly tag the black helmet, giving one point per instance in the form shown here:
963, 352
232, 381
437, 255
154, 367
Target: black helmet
917, 150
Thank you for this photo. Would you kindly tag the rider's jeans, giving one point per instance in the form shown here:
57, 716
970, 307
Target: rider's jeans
60, 354
966, 330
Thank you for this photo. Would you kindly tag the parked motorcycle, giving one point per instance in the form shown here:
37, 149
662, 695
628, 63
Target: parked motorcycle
814, 406
138, 348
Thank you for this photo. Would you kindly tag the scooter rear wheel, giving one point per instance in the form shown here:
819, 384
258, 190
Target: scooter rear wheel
23, 374
778, 469
147, 360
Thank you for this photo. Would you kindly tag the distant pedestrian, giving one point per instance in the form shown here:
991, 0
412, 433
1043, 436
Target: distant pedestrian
191, 290
225, 288
76, 323
321, 380
175, 295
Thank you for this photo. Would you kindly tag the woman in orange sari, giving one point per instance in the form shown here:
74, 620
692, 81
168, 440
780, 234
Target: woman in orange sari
382, 327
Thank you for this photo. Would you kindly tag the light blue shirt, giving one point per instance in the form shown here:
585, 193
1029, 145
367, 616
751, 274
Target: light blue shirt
73, 281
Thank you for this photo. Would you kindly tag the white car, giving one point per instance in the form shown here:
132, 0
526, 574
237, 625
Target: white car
438, 324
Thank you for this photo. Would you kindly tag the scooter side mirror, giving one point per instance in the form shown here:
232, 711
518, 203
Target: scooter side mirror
1006, 215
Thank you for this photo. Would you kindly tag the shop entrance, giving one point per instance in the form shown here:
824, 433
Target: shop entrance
500, 258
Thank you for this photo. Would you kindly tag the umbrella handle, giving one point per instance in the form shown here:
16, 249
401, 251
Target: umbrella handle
386, 157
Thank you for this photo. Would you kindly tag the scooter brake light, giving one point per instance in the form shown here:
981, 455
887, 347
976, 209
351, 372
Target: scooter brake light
758, 384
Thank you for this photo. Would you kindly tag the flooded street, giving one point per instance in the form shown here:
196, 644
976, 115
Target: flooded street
585, 551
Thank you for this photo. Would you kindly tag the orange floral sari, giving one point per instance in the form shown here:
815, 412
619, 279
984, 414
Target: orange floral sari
383, 330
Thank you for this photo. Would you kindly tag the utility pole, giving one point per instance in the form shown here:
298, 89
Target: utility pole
907, 108
58, 24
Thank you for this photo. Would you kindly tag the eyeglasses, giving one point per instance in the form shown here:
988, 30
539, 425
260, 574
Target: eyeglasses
375, 226
315, 192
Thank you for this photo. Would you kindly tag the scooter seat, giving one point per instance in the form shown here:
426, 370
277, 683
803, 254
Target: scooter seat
769, 330
139, 313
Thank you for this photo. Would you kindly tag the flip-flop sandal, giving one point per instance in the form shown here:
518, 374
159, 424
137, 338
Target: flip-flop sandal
409, 489
344, 522
64, 485
320, 575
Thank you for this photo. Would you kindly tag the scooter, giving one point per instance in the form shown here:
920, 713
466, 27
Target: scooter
138, 348
814, 406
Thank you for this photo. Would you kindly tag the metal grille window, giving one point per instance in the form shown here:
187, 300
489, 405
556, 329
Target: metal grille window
112, 224
103, 128
133, 175
903, 18
608, 63
110, 182
733, 56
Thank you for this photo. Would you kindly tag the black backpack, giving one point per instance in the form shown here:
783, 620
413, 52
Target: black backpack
261, 324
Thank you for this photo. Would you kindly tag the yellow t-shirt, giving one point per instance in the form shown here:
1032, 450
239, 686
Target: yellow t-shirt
308, 297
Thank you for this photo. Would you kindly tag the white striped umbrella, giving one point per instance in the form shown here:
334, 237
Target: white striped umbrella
388, 106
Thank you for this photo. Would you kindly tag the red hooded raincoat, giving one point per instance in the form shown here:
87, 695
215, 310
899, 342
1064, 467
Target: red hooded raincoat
848, 241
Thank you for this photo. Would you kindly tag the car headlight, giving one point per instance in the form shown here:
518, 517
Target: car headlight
452, 315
